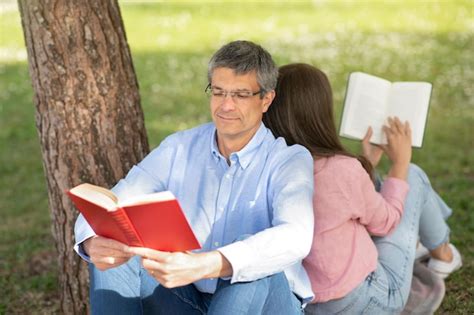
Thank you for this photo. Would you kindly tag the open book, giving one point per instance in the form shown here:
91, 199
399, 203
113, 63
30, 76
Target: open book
370, 100
154, 221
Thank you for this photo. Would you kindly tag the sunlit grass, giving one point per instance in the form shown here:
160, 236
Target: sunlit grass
287, 21
171, 43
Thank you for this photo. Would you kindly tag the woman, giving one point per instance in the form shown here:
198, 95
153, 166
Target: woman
364, 243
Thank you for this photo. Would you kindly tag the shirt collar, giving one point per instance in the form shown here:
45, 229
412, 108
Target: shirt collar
244, 156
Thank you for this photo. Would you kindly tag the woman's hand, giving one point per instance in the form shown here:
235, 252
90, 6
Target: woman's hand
398, 148
371, 152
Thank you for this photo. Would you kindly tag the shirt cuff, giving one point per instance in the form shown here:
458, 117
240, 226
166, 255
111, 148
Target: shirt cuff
80, 251
82, 231
395, 187
239, 256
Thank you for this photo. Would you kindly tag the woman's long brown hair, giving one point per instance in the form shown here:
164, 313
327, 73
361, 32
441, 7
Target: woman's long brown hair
302, 112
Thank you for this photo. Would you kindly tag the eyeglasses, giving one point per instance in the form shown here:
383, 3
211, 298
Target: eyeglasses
237, 96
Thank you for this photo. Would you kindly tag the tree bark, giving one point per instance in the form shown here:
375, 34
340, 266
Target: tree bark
88, 114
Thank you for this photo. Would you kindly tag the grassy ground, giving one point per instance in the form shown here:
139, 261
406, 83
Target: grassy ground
171, 44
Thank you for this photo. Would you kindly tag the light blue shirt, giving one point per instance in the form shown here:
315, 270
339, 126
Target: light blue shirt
257, 211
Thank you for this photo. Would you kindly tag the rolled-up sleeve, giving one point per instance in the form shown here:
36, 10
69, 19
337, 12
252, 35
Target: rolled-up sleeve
379, 212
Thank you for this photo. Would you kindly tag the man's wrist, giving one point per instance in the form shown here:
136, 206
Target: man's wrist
215, 265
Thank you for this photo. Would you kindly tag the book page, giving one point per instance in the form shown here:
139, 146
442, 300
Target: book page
409, 101
97, 195
365, 106
149, 198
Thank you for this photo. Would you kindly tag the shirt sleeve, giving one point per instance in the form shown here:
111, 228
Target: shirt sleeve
379, 212
149, 176
82, 232
289, 238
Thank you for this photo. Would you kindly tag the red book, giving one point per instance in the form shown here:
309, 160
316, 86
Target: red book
153, 221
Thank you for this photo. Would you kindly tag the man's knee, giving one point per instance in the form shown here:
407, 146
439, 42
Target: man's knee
116, 290
278, 279
253, 297
115, 278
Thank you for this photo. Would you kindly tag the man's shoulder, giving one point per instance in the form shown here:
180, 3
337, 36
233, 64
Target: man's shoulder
289, 163
279, 146
281, 152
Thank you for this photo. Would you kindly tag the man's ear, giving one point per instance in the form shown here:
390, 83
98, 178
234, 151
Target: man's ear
267, 100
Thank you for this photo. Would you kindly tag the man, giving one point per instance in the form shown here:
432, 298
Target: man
247, 196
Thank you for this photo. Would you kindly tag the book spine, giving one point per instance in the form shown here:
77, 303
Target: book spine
122, 220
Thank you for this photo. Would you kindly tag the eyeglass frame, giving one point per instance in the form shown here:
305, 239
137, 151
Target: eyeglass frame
233, 94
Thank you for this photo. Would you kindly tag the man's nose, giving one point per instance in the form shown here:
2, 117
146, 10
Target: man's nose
228, 102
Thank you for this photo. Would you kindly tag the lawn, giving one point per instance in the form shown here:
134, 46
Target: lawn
171, 43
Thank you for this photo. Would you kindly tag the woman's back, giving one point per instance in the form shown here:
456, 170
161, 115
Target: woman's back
347, 208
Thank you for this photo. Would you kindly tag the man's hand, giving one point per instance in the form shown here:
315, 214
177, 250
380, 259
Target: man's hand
371, 152
106, 253
182, 268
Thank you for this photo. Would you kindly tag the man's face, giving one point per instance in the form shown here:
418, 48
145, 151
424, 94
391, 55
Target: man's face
236, 118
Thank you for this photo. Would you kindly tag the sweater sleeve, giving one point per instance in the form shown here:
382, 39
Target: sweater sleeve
379, 212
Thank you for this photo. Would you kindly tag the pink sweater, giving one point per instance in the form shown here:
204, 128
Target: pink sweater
347, 211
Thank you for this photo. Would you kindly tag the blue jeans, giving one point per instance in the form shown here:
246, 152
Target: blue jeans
385, 291
129, 289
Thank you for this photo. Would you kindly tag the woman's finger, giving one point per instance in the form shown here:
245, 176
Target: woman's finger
388, 130
368, 135
407, 128
397, 124
392, 123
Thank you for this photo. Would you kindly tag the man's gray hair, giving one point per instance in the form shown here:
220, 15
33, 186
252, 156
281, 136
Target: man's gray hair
243, 57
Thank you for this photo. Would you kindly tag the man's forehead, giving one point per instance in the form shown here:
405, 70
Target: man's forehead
224, 75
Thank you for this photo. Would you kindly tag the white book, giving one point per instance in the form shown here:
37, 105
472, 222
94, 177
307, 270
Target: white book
370, 100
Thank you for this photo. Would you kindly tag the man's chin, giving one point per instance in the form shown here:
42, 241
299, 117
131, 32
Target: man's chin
224, 124
228, 130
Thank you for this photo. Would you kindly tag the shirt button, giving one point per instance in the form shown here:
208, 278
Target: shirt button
216, 244
228, 176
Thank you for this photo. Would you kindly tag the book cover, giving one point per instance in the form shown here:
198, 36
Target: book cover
152, 223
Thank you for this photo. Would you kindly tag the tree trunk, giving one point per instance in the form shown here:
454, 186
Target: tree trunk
88, 113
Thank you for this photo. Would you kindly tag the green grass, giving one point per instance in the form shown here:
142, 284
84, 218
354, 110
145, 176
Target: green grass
171, 43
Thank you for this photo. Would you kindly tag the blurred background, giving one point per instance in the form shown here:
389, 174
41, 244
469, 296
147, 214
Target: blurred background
171, 43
